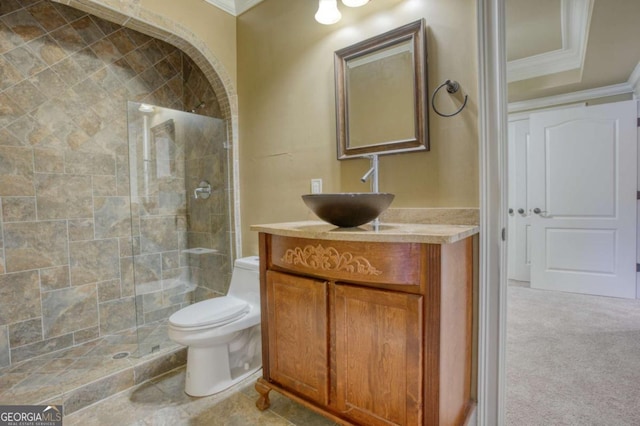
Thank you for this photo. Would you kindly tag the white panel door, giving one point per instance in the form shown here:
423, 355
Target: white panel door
583, 181
519, 242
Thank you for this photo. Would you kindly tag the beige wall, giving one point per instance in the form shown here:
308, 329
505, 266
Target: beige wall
216, 28
287, 113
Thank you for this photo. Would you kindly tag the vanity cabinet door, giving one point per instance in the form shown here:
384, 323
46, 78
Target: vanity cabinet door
298, 334
378, 353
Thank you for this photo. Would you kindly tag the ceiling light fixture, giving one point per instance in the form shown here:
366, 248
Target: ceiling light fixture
328, 12
354, 3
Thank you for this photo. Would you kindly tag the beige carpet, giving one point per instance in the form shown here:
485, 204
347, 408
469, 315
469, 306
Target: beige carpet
572, 359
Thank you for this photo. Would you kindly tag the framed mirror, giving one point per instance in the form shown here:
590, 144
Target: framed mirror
381, 94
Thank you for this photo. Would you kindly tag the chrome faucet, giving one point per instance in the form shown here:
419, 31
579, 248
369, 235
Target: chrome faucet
372, 173
203, 190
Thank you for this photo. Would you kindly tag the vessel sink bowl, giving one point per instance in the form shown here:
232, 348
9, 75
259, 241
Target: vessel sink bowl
348, 209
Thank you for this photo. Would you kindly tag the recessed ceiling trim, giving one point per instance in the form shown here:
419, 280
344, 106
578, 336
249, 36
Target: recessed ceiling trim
568, 98
634, 80
575, 21
234, 7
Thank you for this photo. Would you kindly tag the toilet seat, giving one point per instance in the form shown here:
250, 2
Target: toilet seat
210, 313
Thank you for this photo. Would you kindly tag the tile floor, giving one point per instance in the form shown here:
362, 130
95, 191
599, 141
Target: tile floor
127, 393
162, 401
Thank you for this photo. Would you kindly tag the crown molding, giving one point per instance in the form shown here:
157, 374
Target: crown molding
568, 98
575, 18
234, 7
244, 5
228, 6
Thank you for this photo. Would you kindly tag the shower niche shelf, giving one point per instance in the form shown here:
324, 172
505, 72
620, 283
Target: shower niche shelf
200, 250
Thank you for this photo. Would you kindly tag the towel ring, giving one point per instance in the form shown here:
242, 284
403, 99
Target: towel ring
452, 87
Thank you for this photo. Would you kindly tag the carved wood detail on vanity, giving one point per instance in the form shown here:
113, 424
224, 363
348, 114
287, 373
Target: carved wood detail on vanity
329, 259
383, 263
363, 348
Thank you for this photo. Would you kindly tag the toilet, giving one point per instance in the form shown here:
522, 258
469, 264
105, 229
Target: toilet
222, 334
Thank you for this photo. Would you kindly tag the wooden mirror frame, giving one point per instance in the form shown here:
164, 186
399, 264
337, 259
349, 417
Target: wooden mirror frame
414, 32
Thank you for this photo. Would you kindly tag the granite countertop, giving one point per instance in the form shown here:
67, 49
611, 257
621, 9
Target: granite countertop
387, 232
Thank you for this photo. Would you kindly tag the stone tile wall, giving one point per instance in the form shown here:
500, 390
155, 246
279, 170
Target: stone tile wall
67, 244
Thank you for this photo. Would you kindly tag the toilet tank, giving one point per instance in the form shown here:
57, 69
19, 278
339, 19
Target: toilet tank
245, 280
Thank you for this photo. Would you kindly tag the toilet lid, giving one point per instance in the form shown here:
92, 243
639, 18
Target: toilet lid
210, 312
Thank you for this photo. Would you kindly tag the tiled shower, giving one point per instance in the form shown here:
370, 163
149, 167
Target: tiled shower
81, 256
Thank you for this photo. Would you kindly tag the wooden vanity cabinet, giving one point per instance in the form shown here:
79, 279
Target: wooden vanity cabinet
377, 355
368, 333
298, 331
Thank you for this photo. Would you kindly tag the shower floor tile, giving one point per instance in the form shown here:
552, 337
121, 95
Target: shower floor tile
53, 377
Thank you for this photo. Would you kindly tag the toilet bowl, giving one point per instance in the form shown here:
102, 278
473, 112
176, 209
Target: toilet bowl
222, 334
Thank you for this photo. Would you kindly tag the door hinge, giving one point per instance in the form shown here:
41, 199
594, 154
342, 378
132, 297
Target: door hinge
637, 195
504, 234
638, 122
637, 267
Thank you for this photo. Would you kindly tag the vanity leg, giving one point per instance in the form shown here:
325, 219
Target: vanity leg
263, 401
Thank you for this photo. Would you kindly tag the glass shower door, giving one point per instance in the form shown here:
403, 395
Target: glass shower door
180, 245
